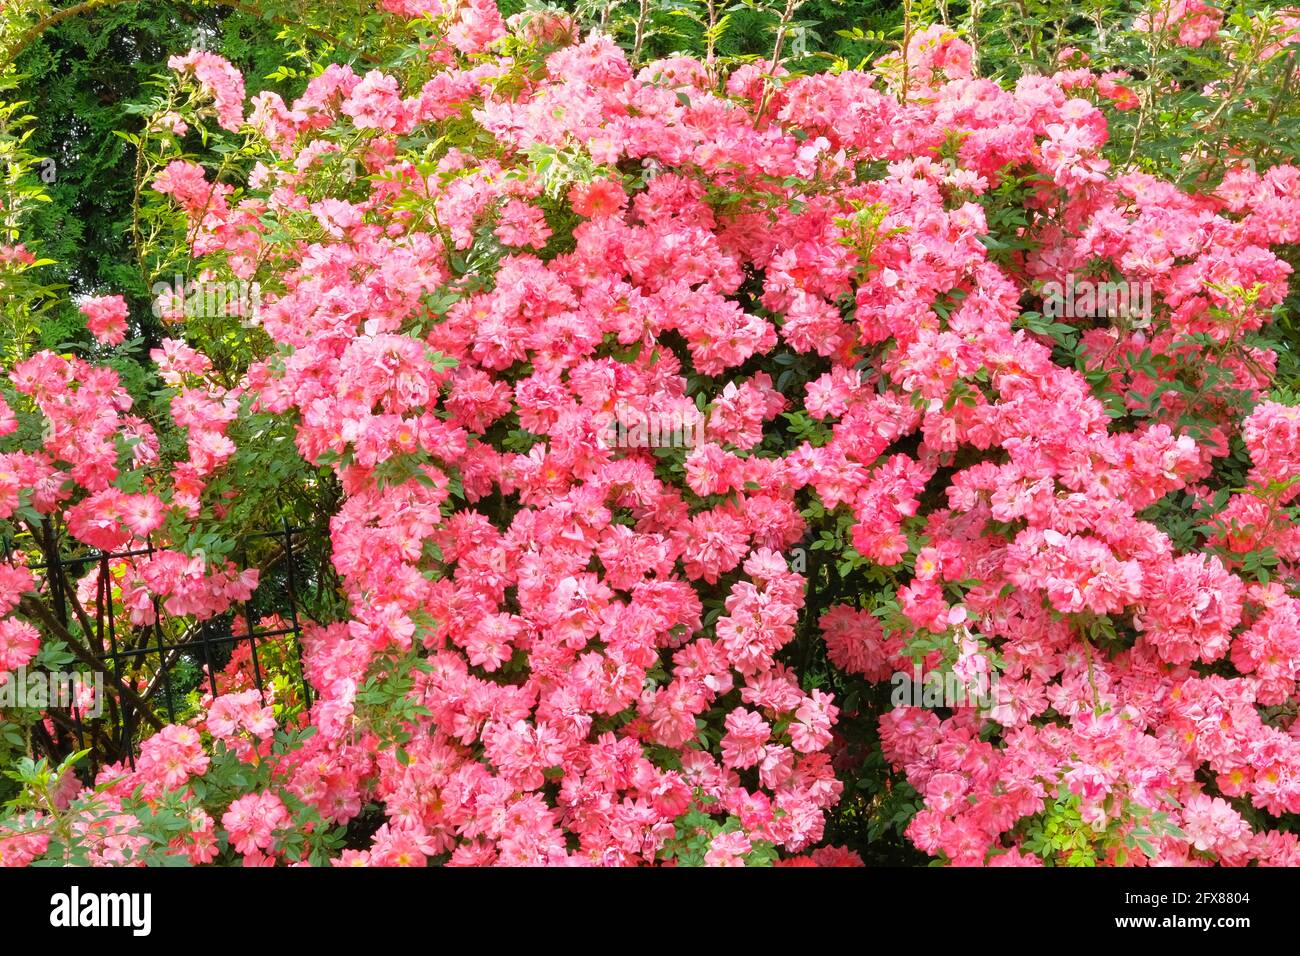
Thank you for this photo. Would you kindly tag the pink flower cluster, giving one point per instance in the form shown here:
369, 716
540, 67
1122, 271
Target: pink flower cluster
106, 318
1192, 21
219, 80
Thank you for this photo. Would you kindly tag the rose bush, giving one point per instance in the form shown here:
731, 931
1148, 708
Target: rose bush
489, 275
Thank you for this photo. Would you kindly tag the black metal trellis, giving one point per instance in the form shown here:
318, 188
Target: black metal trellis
119, 650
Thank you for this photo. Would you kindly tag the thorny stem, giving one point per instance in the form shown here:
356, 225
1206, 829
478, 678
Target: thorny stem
907, 40
782, 28
642, 15
711, 41
1147, 90
36, 609
1092, 677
